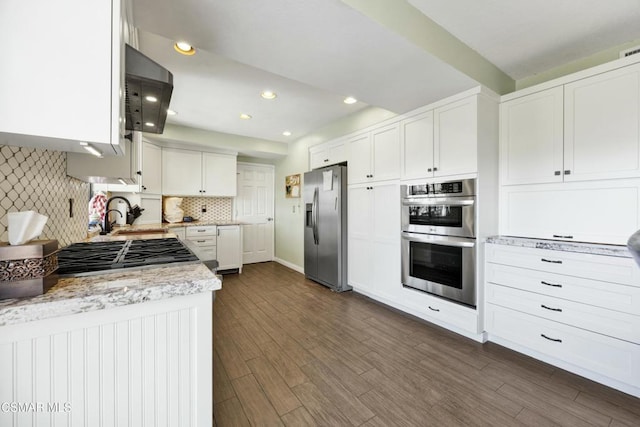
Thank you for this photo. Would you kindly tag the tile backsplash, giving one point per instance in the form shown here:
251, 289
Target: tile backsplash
34, 179
218, 208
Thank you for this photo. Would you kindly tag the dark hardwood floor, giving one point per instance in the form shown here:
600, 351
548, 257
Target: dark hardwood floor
290, 352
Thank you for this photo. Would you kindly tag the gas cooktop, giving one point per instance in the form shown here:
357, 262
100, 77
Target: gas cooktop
93, 257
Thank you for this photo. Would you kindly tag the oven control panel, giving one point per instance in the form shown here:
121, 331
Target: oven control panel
465, 187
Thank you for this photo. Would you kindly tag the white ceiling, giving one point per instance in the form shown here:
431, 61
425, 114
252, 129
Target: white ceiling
313, 53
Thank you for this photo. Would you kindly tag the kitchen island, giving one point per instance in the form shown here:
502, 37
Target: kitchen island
120, 348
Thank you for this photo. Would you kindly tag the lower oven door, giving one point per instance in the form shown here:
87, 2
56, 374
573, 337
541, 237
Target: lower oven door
440, 265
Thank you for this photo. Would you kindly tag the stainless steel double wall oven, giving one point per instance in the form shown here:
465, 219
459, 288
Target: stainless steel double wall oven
439, 239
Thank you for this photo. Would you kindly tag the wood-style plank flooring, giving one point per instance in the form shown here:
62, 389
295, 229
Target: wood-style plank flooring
291, 352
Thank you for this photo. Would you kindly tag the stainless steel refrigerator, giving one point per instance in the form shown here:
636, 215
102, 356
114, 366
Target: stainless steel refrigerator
325, 230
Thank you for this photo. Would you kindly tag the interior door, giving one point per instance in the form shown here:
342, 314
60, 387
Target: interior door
254, 208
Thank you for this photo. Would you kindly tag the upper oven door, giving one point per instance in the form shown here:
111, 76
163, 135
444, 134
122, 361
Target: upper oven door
449, 216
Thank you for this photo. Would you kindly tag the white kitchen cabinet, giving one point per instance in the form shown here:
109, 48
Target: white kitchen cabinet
531, 138
54, 96
602, 126
151, 178
601, 212
574, 310
204, 238
193, 173
180, 232
583, 130
229, 251
375, 156
219, 176
416, 134
327, 154
152, 205
374, 239
455, 148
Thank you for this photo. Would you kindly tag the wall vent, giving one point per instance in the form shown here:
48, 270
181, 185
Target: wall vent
629, 52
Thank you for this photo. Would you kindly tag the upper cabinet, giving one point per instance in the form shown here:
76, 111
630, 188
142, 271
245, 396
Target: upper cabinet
375, 155
54, 96
445, 141
327, 154
588, 129
151, 177
194, 173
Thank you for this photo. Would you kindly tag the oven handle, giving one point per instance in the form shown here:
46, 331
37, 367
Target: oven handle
444, 241
437, 202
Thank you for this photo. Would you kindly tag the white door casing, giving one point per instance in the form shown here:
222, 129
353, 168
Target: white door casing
254, 209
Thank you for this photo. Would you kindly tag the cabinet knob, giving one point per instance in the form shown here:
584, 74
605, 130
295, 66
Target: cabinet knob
144, 188
435, 169
567, 172
326, 160
429, 170
557, 173
139, 173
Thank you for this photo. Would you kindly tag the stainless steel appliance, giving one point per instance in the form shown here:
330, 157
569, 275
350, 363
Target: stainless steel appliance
325, 230
438, 239
446, 208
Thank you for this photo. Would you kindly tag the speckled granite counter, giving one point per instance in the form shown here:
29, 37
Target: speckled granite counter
556, 245
73, 295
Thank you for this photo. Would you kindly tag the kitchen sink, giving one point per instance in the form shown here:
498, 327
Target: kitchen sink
139, 232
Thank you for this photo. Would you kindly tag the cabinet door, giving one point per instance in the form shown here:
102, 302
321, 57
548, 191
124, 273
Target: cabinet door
40, 77
359, 159
318, 157
219, 175
359, 241
181, 172
386, 239
386, 153
417, 146
531, 138
151, 168
456, 137
602, 126
337, 152
228, 247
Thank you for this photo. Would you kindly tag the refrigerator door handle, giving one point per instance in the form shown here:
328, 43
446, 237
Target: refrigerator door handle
314, 215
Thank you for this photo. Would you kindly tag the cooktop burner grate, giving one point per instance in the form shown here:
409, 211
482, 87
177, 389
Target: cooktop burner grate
100, 256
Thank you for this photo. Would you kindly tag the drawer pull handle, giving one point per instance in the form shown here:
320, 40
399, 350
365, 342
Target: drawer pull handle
551, 308
434, 309
200, 241
555, 285
551, 339
552, 261
201, 231
559, 236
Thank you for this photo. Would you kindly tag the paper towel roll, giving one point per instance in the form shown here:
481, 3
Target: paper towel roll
122, 218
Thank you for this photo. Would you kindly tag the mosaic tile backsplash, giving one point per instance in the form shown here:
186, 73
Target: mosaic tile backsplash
34, 179
218, 208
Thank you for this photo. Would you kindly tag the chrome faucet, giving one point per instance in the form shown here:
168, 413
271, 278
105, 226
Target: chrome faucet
106, 228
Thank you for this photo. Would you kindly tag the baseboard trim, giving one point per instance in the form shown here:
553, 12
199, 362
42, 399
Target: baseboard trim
290, 265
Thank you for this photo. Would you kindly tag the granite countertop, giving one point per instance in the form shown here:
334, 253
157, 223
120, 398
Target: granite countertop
72, 295
198, 222
559, 245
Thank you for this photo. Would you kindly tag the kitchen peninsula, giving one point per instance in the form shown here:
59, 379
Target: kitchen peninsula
127, 347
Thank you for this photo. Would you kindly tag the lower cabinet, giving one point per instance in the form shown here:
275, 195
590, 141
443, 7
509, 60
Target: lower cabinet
374, 238
574, 310
204, 238
228, 248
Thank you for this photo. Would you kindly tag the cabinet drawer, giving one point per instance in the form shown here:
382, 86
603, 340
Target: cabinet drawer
595, 267
596, 319
438, 309
604, 355
597, 293
208, 230
202, 242
207, 253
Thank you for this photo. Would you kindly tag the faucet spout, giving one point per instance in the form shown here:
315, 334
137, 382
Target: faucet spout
106, 228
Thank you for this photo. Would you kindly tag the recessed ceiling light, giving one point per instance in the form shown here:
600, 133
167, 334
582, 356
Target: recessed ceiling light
350, 100
149, 124
244, 116
286, 133
267, 94
170, 112
184, 48
151, 98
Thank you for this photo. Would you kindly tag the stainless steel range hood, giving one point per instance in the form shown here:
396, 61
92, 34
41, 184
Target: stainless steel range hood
146, 79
